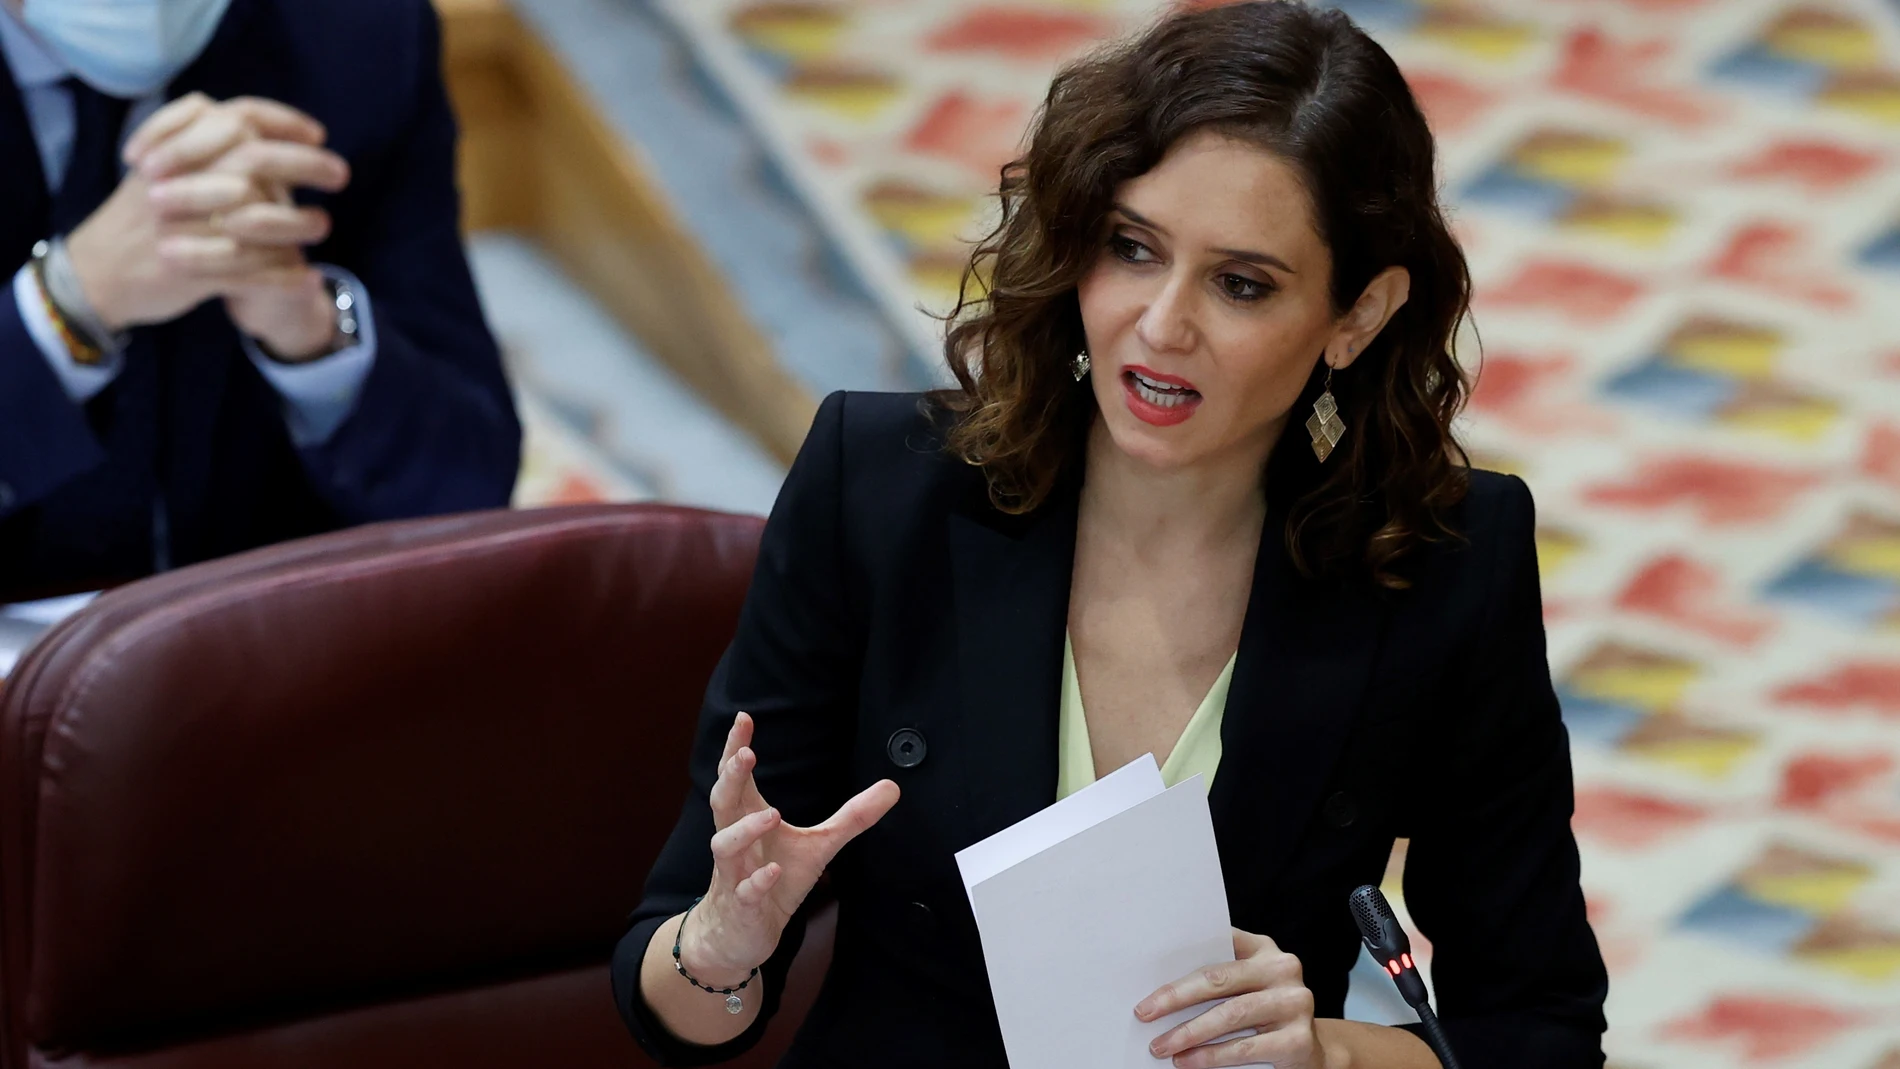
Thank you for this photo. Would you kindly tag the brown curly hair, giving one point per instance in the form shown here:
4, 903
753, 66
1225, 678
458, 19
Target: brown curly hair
1309, 86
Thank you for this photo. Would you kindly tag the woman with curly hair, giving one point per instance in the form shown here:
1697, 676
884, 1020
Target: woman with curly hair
1195, 494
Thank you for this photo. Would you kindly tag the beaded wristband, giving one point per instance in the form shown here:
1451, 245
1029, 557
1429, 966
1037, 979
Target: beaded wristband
733, 1003
81, 350
74, 317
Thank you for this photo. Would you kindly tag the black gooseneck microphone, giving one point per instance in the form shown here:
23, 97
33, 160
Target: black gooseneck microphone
1391, 948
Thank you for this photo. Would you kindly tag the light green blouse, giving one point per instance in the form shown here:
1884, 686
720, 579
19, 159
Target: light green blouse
1196, 752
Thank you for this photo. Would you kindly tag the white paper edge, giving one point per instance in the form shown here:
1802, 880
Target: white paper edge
1126, 787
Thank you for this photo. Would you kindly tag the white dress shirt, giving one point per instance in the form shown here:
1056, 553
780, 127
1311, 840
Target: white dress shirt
318, 395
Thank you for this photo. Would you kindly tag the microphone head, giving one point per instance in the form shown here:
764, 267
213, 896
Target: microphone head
1378, 926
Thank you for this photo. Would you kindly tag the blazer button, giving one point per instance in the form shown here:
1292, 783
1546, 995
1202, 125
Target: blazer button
1341, 811
907, 748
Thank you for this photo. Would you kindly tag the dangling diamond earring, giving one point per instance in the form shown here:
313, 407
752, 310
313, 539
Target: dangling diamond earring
1324, 424
1079, 366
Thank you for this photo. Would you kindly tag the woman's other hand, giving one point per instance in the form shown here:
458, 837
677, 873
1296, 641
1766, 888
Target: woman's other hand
762, 867
1265, 991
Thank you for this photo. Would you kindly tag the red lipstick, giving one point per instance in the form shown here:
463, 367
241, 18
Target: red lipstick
1158, 399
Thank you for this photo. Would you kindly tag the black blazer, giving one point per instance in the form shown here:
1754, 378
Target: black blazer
890, 596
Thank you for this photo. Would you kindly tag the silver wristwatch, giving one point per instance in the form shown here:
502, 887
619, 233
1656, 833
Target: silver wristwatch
347, 325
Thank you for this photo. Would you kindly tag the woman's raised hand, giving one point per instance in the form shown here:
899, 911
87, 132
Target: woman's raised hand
762, 867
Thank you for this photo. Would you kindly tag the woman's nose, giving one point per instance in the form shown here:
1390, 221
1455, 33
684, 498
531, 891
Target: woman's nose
1166, 325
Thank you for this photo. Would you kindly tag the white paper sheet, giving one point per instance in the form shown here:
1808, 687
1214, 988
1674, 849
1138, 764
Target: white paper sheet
1090, 905
1133, 783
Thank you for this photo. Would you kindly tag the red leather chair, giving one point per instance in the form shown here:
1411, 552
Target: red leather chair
383, 797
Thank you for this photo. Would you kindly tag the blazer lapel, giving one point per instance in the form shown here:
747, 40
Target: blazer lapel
1306, 651
1011, 576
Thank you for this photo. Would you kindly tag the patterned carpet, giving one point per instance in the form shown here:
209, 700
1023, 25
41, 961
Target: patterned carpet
604, 419
1684, 223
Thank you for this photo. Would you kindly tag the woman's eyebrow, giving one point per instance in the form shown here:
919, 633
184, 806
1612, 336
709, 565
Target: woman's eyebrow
1261, 258
1243, 255
1139, 219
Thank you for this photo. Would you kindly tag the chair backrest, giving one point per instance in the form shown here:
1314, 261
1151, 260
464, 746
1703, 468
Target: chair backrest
354, 780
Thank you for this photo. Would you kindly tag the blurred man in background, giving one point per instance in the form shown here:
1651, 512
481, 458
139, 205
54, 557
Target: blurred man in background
242, 311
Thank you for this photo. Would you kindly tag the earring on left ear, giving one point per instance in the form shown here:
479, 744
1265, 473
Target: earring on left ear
1324, 424
1080, 365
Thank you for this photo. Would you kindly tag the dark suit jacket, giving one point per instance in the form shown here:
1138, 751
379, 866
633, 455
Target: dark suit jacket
889, 595
190, 418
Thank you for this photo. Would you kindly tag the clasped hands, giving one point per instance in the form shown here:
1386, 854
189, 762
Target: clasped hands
763, 868
204, 211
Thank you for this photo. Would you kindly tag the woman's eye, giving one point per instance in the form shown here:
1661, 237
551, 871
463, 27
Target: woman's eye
1129, 249
1242, 288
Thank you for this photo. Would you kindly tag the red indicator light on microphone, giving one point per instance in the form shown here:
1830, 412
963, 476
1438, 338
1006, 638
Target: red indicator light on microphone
1407, 959
1394, 966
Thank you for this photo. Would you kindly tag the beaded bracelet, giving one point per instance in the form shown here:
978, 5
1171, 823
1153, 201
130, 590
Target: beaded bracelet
82, 350
733, 1003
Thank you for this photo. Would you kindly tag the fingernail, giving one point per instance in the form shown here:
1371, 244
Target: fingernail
1144, 1008
1158, 1049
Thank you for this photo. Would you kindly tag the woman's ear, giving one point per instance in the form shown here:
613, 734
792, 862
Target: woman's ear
1377, 304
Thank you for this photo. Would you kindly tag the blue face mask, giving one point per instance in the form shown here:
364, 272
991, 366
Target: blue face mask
125, 48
